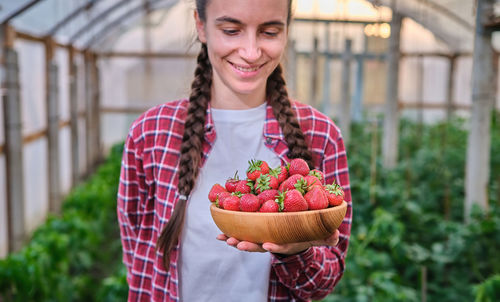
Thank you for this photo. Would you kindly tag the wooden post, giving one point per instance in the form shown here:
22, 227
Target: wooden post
373, 160
52, 103
420, 91
345, 111
357, 108
326, 103
391, 119
147, 79
314, 73
73, 122
451, 86
291, 68
484, 77
96, 110
9, 80
423, 282
88, 113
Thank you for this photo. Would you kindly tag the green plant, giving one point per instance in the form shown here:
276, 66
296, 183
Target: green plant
408, 222
69, 254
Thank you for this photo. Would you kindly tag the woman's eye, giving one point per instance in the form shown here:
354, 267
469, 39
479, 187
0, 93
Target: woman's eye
230, 32
271, 33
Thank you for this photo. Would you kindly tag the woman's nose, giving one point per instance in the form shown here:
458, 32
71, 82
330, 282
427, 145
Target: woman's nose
250, 49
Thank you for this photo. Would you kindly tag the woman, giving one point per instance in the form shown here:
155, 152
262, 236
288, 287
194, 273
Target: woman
238, 110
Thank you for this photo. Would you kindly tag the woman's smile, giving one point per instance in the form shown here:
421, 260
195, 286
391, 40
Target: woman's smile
246, 71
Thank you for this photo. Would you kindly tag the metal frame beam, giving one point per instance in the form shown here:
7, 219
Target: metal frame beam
96, 20
87, 6
107, 29
20, 11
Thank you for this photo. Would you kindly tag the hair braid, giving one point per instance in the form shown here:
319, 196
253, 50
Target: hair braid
282, 109
191, 152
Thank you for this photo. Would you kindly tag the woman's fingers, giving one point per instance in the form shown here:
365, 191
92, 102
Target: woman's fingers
221, 237
250, 247
286, 249
241, 245
295, 248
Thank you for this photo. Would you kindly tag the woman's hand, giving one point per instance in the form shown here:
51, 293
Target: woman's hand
284, 249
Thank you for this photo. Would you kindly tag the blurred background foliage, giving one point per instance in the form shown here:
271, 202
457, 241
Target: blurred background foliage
409, 241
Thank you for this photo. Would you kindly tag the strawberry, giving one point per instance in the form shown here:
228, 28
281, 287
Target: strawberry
335, 194
232, 203
267, 194
298, 166
244, 186
312, 181
289, 183
316, 198
214, 191
219, 201
292, 201
319, 175
282, 173
232, 182
265, 182
256, 168
269, 206
249, 203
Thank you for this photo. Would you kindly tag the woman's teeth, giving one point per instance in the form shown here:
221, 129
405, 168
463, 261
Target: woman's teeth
245, 69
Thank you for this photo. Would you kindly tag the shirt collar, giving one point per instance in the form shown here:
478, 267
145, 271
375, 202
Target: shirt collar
209, 123
272, 128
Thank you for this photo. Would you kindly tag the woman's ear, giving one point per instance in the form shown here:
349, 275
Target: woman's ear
200, 28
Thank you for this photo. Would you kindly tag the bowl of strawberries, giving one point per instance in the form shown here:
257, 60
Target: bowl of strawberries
281, 205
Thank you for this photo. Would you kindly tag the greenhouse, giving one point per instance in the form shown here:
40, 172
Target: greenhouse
411, 84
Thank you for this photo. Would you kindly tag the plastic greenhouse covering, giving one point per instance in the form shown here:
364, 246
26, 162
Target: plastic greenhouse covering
146, 55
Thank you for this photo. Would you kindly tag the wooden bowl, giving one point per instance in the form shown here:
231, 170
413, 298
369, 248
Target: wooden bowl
279, 227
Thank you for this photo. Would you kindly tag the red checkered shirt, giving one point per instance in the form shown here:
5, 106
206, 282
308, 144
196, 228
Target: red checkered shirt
148, 193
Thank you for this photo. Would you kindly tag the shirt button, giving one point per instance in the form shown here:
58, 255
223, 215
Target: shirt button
269, 140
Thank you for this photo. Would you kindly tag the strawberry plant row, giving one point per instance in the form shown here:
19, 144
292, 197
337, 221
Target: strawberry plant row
69, 255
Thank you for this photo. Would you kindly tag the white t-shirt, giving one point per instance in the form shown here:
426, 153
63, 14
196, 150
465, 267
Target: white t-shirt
211, 270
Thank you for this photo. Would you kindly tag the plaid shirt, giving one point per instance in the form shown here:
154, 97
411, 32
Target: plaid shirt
148, 193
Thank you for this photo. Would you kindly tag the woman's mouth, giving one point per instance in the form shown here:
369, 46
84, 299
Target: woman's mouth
246, 71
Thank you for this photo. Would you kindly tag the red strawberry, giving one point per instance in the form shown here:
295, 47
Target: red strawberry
249, 203
265, 182
289, 183
256, 168
335, 194
319, 175
312, 181
292, 201
232, 182
267, 194
232, 203
282, 174
214, 191
244, 187
269, 206
298, 166
219, 202
316, 198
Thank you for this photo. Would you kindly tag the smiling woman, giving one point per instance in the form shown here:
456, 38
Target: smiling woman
238, 110
245, 44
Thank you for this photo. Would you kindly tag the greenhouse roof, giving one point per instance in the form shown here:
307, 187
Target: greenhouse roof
88, 23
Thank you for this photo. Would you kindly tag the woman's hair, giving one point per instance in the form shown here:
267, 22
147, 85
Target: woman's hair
192, 140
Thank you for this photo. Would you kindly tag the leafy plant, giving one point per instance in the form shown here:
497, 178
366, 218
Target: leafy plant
69, 254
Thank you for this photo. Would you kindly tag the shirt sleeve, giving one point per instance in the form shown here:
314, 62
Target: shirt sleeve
131, 195
314, 273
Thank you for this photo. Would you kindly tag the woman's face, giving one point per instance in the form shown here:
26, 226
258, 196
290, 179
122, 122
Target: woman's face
245, 41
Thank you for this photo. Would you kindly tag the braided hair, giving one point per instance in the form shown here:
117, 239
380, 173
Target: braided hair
191, 151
